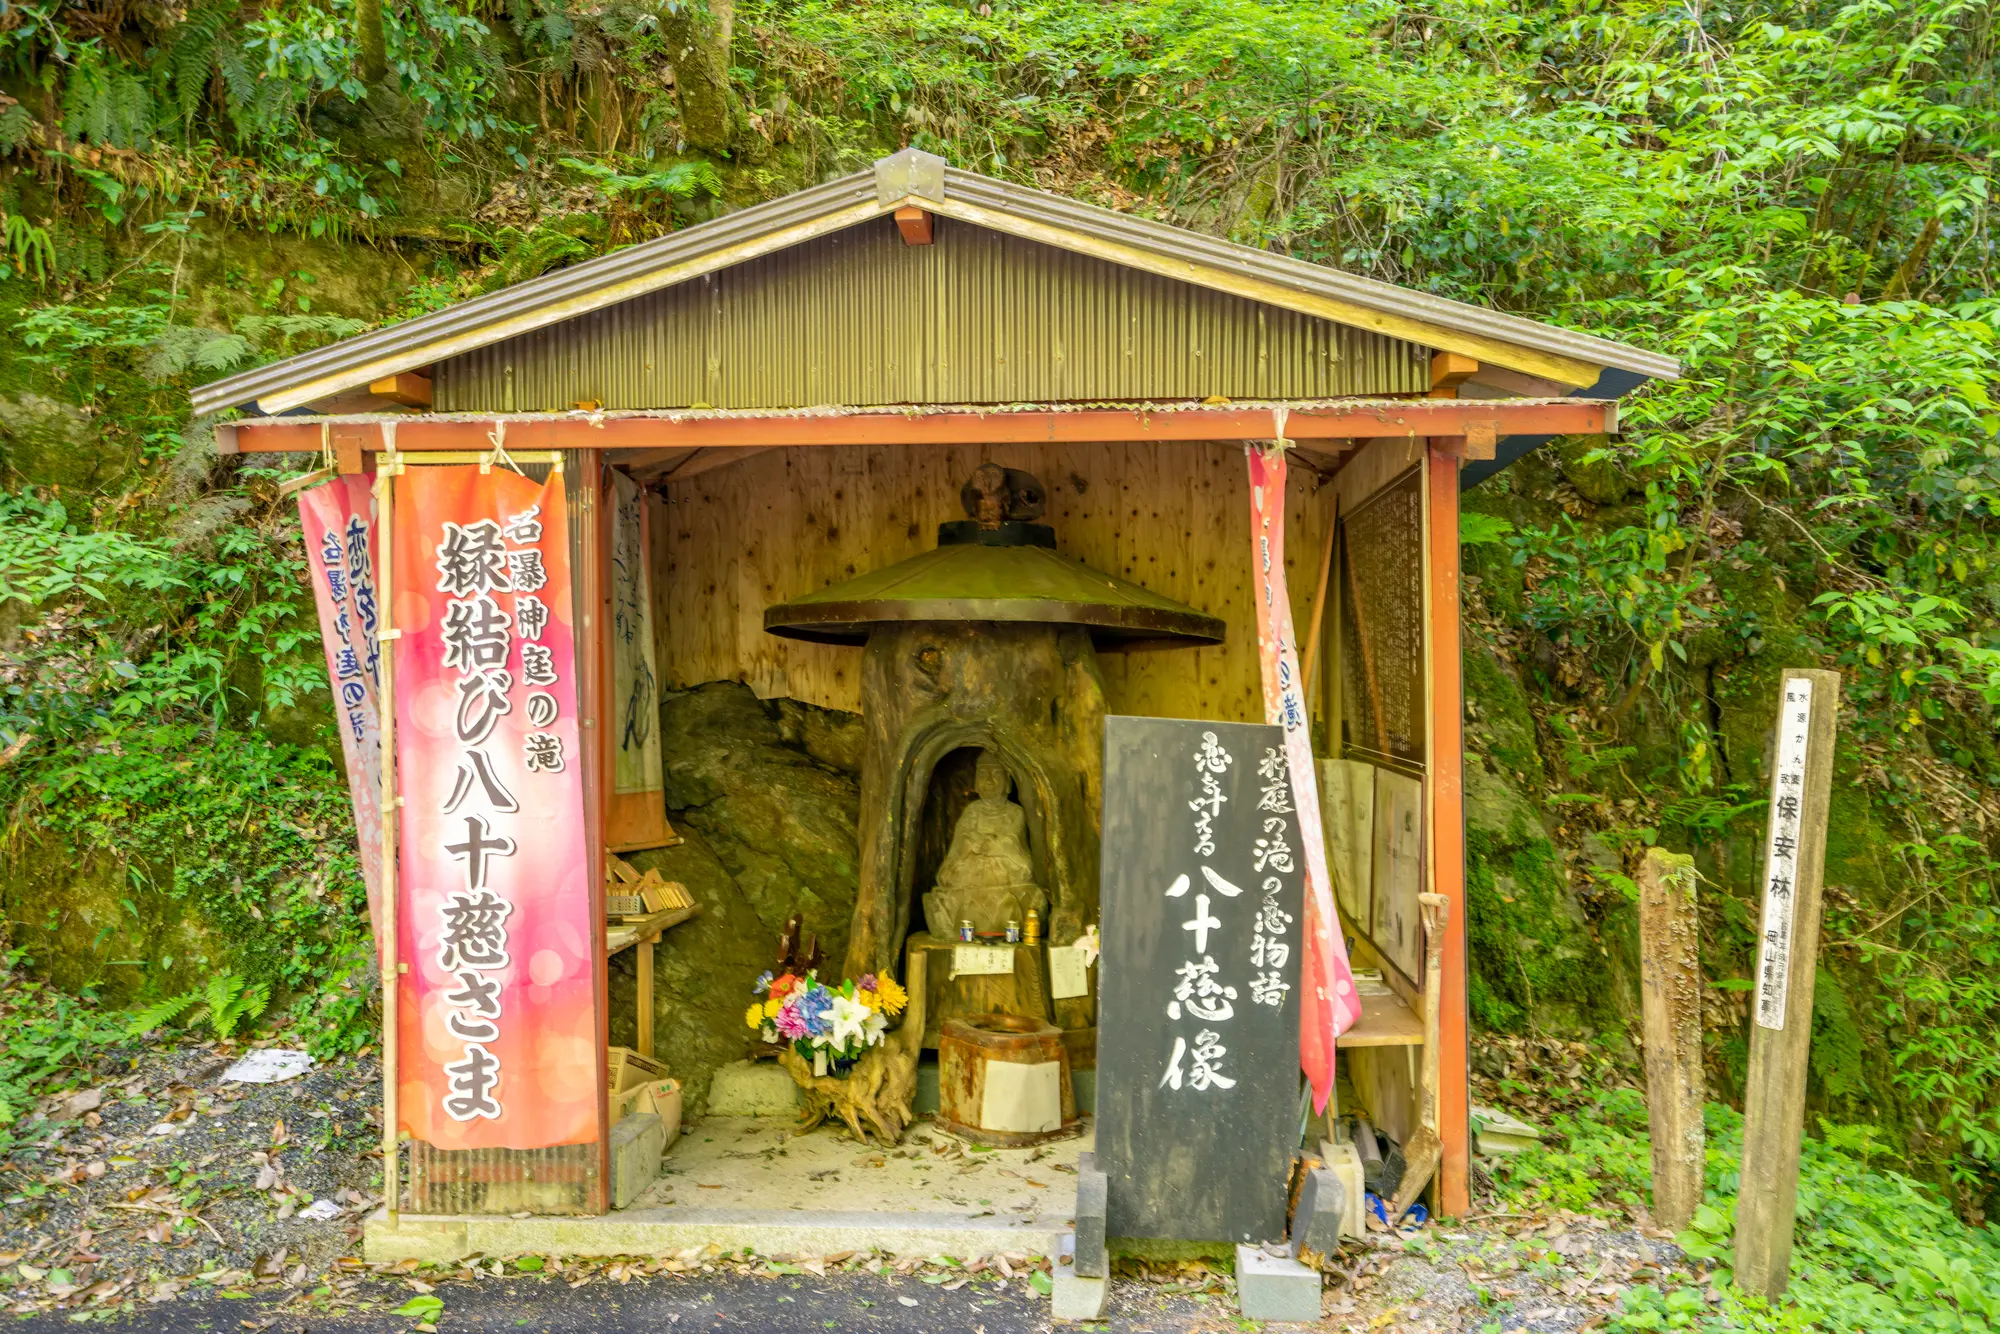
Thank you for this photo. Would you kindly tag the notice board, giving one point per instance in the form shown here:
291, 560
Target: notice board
1198, 1026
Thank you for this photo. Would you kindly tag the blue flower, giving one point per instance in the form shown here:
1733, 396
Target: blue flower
763, 984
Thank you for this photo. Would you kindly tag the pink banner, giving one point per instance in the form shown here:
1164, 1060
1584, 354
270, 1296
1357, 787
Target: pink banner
338, 519
498, 1021
1331, 1006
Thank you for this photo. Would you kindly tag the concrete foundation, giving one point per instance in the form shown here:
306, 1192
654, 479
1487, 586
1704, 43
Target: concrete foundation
1270, 1287
1076, 1297
736, 1182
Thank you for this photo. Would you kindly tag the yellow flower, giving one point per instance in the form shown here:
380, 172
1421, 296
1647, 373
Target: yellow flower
893, 997
755, 1017
772, 1006
869, 1000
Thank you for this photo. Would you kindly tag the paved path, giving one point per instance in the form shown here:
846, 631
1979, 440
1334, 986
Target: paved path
705, 1303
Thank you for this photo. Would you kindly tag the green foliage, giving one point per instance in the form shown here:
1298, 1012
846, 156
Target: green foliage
47, 1039
225, 1002
1873, 1250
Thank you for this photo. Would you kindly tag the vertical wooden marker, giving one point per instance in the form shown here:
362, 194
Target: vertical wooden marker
1670, 1001
1781, 1031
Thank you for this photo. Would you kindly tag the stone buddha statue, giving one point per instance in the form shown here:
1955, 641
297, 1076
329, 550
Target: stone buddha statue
987, 874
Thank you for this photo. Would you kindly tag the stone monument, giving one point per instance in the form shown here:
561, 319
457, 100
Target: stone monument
987, 877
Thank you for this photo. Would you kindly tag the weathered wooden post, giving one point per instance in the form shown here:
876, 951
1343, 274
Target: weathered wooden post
1781, 1034
1670, 1000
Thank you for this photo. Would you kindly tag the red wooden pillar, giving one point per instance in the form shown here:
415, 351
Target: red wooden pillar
1447, 818
586, 507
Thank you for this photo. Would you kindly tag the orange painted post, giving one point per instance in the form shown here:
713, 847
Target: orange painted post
1447, 815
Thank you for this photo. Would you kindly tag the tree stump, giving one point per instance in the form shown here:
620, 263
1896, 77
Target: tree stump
874, 1099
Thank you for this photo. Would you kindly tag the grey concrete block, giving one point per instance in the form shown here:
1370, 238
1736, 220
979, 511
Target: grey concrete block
636, 1145
753, 1088
1316, 1223
1078, 1298
1092, 1196
1272, 1287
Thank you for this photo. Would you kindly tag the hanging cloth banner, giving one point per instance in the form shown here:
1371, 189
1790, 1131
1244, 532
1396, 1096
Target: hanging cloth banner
637, 813
1330, 1005
338, 519
496, 1017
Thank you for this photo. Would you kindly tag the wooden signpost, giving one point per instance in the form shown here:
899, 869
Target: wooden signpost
1788, 951
1670, 1003
1198, 1036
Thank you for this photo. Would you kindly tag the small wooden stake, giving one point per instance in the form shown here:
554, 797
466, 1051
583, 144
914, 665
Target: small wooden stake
1670, 999
1782, 1011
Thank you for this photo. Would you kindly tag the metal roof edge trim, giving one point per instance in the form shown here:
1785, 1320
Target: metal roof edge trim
1181, 243
578, 282
609, 279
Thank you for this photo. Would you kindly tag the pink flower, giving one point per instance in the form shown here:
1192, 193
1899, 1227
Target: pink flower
791, 1024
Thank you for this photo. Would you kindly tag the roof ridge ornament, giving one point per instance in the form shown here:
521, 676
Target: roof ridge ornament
909, 173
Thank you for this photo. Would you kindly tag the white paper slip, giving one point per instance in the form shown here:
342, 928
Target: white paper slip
269, 1065
1069, 972
981, 960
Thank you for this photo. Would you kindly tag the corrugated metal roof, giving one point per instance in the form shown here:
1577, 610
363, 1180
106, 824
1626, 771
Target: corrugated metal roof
1158, 247
977, 316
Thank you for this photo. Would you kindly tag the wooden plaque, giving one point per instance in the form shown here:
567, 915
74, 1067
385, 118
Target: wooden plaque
1381, 608
1198, 1050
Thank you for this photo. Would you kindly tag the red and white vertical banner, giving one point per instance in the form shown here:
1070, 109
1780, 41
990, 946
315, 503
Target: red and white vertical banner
497, 1016
338, 518
1330, 1005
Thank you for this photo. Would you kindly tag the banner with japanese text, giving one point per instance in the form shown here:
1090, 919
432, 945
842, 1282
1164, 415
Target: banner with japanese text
636, 814
497, 1020
337, 517
1331, 1004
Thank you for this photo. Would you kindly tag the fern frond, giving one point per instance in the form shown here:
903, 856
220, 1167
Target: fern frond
161, 1012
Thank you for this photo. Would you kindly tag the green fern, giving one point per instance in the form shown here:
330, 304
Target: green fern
227, 1001
106, 103
199, 50
15, 125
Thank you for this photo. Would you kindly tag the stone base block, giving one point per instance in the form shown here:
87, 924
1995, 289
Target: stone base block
1079, 1298
1270, 1287
636, 1145
753, 1088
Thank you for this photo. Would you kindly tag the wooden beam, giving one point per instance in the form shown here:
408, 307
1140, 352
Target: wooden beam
1364, 419
915, 225
407, 387
708, 460
1449, 370
1446, 781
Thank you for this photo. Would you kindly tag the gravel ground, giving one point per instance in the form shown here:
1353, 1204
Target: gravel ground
129, 1189
165, 1198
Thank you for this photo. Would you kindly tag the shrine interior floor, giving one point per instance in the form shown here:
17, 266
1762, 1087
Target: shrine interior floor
757, 1182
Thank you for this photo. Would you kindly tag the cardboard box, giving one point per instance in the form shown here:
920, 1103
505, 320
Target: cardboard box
660, 1097
629, 1069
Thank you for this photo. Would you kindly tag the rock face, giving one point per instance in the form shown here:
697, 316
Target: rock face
765, 797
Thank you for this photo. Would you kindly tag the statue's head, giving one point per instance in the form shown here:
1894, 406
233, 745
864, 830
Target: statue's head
990, 777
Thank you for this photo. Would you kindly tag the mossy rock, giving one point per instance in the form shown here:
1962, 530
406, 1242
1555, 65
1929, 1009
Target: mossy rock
1600, 481
50, 444
780, 821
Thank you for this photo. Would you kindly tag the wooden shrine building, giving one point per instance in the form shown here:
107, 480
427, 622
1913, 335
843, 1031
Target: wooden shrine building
801, 394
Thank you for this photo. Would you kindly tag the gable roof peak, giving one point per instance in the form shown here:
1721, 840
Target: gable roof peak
910, 173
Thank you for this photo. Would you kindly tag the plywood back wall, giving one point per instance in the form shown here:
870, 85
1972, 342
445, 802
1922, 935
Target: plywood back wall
1172, 517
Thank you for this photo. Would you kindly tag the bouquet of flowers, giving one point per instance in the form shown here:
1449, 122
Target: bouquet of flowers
833, 1025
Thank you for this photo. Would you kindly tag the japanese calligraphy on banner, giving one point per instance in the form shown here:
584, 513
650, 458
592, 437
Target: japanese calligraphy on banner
497, 1019
1198, 1024
1781, 853
1331, 1005
635, 756
338, 519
